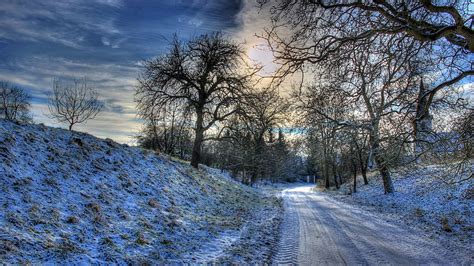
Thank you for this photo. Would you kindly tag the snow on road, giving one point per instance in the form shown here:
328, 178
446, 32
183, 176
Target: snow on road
319, 230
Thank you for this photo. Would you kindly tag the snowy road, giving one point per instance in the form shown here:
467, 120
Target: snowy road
318, 230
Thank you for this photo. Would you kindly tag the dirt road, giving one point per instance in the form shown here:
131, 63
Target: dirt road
318, 230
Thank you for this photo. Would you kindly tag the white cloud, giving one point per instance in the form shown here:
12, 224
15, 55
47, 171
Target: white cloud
253, 20
195, 22
114, 3
63, 22
105, 41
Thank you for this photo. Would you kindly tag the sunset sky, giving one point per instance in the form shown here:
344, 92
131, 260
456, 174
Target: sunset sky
105, 42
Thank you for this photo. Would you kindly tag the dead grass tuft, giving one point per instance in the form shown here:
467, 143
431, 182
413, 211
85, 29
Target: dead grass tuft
141, 239
418, 212
72, 220
445, 224
154, 203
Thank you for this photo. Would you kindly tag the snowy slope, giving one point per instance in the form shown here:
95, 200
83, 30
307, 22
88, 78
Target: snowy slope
422, 200
70, 197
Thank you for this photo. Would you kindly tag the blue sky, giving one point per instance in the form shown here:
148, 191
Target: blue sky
105, 41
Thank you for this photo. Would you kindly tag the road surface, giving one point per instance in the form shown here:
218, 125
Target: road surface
319, 230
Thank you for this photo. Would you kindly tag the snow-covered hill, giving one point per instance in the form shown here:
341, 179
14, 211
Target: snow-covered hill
70, 197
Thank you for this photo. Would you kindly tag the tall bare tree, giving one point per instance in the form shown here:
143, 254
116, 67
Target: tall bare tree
247, 145
206, 74
376, 86
73, 104
311, 31
320, 28
360, 145
14, 103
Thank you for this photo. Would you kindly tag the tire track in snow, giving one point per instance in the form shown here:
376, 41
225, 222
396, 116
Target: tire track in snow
318, 230
320, 243
384, 242
359, 254
287, 248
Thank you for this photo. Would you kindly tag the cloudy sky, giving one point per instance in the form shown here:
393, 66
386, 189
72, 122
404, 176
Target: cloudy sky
105, 41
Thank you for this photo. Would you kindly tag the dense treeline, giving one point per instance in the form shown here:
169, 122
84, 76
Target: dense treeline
200, 102
381, 78
376, 80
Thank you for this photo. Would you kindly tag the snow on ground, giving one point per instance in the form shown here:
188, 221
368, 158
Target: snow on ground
422, 200
318, 229
68, 197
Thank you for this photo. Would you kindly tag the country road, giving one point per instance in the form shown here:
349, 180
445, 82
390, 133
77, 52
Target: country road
319, 230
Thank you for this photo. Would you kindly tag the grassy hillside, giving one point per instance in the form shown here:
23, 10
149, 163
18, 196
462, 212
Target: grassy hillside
71, 197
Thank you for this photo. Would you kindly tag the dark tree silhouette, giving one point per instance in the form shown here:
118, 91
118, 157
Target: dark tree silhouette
318, 29
14, 103
167, 130
316, 32
73, 104
206, 74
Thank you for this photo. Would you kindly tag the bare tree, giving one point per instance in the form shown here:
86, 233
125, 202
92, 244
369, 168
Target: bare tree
73, 104
246, 143
320, 28
263, 110
320, 105
360, 141
377, 87
167, 130
315, 30
204, 74
14, 103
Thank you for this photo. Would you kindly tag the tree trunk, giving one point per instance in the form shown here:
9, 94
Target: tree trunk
196, 153
172, 134
422, 125
258, 162
326, 176
335, 175
384, 172
70, 127
380, 161
355, 176
363, 167
387, 180
326, 169
253, 178
364, 174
